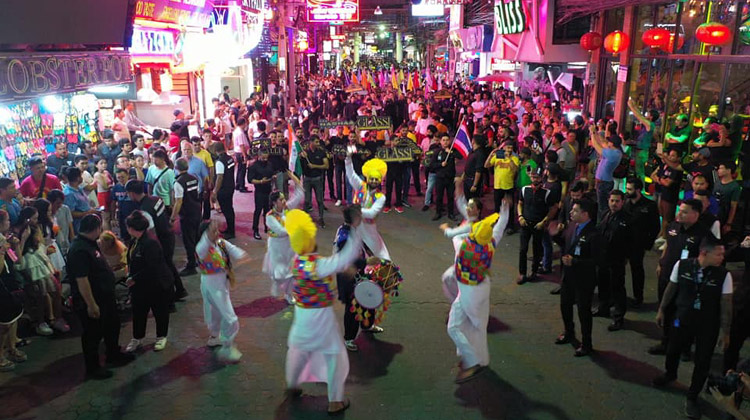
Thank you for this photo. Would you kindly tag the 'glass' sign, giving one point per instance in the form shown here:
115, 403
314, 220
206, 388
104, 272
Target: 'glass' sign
510, 17
147, 41
333, 10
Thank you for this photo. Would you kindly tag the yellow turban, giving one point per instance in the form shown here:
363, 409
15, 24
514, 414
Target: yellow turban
481, 231
374, 169
301, 230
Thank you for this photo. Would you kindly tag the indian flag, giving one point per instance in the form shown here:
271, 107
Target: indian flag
295, 165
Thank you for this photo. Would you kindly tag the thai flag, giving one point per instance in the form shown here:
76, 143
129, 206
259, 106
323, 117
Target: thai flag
462, 142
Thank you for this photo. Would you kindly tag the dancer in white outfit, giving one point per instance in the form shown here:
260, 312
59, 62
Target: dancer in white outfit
316, 347
470, 211
279, 254
467, 322
216, 259
366, 194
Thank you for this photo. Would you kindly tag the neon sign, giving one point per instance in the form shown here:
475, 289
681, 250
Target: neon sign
333, 10
152, 42
509, 17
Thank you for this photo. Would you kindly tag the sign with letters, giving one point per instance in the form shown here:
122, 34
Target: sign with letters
333, 11
148, 41
27, 75
510, 18
196, 13
362, 123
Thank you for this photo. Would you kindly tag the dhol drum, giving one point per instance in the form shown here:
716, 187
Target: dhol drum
374, 290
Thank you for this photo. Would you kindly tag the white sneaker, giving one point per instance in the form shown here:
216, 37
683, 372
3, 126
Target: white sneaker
44, 329
350, 345
664, 245
338, 203
60, 325
132, 345
160, 343
213, 342
229, 354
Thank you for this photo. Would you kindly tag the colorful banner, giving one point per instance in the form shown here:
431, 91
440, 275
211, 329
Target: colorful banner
333, 10
30, 75
196, 13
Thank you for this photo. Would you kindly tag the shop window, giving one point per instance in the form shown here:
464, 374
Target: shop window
738, 88
697, 12
743, 34
643, 22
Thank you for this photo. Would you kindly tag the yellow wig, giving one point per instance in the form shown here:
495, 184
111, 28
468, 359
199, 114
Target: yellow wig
374, 169
481, 231
301, 230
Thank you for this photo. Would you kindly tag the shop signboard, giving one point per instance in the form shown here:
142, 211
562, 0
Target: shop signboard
333, 11
196, 13
31, 75
152, 42
510, 18
362, 123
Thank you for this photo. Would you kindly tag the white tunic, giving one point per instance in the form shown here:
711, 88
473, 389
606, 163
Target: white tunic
279, 253
369, 229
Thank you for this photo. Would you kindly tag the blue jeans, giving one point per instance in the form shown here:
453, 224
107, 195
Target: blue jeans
603, 188
430, 186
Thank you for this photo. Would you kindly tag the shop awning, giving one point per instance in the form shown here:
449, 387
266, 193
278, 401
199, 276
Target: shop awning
568, 10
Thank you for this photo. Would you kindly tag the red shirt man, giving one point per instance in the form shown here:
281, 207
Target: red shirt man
39, 180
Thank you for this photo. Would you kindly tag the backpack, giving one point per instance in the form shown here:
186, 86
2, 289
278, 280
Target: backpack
621, 171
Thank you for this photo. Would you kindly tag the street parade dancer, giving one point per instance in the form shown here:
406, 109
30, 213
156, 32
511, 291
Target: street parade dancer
469, 315
279, 254
367, 195
316, 347
470, 211
217, 258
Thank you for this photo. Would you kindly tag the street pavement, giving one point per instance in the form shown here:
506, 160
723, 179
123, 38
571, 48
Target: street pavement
406, 372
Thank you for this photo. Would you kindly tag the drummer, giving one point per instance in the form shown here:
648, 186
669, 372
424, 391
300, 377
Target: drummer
471, 211
316, 348
470, 311
347, 280
367, 195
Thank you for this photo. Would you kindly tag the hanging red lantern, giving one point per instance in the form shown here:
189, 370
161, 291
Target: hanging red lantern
670, 45
713, 33
591, 41
616, 42
656, 37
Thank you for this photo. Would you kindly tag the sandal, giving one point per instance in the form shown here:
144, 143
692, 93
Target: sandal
22, 342
341, 410
6, 365
468, 374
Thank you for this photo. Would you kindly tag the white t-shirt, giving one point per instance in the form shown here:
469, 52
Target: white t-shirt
144, 153
239, 138
123, 132
479, 107
726, 289
179, 192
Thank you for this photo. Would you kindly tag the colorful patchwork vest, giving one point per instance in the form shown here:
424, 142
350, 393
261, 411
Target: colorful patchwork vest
309, 290
473, 262
279, 217
215, 262
361, 197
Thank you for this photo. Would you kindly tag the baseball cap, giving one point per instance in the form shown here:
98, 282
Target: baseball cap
108, 134
177, 112
705, 152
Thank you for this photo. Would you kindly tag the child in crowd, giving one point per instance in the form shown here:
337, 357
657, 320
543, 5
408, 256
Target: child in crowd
115, 252
104, 184
140, 147
123, 204
42, 291
63, 219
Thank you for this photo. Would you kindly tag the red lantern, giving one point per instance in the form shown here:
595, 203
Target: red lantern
616, 42
713, 33
591, 41
670, 44
656, 37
